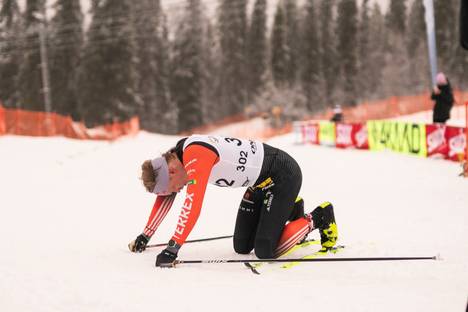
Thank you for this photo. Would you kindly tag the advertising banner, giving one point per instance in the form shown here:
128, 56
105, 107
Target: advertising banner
436, 142
306, 132
402, 137
360, 136
351, 135
456, 141
344, 135
327, 133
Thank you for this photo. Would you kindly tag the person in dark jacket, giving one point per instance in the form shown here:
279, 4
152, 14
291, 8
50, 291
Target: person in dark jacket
443, 96
337, 114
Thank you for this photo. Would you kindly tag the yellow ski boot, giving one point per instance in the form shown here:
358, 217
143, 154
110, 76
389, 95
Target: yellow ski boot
323, 218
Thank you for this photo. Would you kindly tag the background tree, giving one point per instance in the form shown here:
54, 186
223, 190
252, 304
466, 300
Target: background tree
376, 55
363, 51
232, 23
66, 43
346, 29
396, 16
451, 59
310, 74
152, 65
292, 41
10, 27
396, 71
29, 78
108, 77
187, 88
417, 54
280, 56
328, 62
257, 49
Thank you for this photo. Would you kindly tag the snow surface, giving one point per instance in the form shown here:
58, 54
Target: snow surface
69, 208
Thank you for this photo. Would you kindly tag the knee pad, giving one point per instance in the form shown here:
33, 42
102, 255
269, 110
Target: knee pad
242, 246
293, 233
264, 249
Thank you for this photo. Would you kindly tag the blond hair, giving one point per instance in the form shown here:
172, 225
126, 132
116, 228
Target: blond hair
149, 176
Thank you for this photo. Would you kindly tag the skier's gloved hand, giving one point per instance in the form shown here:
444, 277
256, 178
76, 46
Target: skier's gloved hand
139, 244
167, 257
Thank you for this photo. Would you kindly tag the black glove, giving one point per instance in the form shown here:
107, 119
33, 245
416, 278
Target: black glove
167, 257
139, 244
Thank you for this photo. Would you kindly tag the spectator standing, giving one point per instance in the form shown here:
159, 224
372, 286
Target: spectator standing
442, 94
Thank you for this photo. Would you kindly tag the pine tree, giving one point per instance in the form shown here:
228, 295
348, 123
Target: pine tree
376, 54
347, 23
396, 16
445, 13
10, 26
187, 77
152, 66
328, 50
163, 81
310, 74
396, 72
279, 51
419, 79
66, 44
364, 51
292, 41
232, 19
108, 77
211, 81
29, 78
257, 48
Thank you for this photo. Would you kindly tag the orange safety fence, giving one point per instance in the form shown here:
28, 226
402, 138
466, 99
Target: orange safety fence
2, 121
373, 110
22, 122
389, 108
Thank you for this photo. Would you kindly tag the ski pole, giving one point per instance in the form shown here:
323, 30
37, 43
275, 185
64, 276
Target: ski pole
306, 260
193, 241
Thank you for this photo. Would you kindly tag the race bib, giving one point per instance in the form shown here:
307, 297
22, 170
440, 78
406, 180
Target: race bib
240, 160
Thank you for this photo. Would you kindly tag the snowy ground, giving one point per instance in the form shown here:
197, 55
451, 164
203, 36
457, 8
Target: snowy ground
68, 209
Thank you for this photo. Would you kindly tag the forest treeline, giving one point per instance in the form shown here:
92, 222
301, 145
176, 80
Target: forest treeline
129, 61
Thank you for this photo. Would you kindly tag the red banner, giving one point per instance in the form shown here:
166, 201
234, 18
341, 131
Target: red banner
351, 135
436, 141
344, 135
456, 142
310, 132
360, 137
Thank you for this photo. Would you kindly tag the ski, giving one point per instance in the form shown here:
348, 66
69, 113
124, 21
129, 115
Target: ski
254, 266
320, 253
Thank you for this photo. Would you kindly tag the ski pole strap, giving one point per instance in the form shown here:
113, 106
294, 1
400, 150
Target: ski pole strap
193, 241
306, 260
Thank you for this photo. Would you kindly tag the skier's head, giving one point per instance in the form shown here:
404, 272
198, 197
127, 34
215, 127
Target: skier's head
163, 175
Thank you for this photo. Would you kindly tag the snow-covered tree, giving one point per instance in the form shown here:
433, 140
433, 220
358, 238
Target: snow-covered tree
10, 27
30, 83
232, 26
108, 72
66, 42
